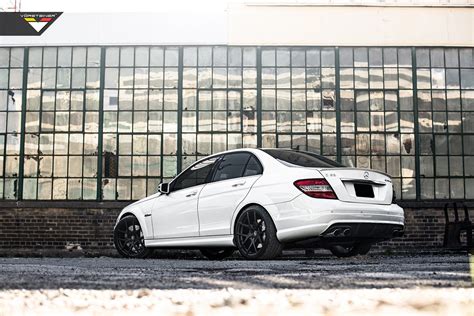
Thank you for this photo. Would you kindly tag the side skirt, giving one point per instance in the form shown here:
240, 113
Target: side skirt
191, 242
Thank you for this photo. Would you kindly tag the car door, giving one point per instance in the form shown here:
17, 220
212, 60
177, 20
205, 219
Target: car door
175, 214
232, 179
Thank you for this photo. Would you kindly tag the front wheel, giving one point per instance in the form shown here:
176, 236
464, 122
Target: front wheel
255, 234
350, 251
216, 254
129, 240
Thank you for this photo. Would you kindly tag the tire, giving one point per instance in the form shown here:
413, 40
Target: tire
255, 234
216, 253
364, 249
350, 251
129, 240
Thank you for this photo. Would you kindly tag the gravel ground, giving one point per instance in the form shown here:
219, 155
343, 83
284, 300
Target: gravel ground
325, 285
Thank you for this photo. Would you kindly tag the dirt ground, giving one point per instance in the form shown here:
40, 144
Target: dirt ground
323, 285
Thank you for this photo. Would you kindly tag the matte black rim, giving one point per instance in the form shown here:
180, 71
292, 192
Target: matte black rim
251, 232
129, 237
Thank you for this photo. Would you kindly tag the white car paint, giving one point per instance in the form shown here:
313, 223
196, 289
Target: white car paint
218, 201
205, 215
175, 214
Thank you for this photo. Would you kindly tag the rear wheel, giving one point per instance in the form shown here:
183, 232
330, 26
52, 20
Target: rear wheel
129, 240
364, 249
216, 254
350, 251
255, 234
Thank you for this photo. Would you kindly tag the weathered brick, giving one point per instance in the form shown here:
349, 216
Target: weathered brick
40, 230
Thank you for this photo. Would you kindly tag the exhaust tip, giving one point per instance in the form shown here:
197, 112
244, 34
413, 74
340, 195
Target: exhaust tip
339, 232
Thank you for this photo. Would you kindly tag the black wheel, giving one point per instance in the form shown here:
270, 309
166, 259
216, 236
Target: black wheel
216, 253
255, 234
129, 240
350, 251
363, 249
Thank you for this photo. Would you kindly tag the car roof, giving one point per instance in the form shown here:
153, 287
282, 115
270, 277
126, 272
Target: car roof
256, 151
251, 150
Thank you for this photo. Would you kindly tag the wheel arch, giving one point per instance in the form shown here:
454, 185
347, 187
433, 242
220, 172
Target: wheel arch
139, 216
241, 209
126, 214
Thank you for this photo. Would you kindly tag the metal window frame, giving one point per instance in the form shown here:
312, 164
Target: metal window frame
258, 111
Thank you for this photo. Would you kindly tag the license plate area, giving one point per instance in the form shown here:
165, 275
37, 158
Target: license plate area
364, 190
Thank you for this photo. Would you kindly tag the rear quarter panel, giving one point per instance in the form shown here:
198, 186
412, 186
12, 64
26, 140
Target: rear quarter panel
274, 187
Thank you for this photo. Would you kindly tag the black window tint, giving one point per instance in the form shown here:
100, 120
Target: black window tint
253, 167
231, 166
195, 175
302, 158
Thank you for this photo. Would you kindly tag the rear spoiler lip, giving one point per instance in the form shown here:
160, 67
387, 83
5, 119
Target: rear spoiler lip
360, 169
363, 181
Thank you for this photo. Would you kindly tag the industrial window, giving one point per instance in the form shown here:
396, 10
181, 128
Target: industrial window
299, 99
140, 120
11, 99
111, 123
445, 82
61, 123
219, 100
377, 113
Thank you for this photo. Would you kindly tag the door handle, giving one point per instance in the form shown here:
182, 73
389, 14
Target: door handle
238, 184
191, 194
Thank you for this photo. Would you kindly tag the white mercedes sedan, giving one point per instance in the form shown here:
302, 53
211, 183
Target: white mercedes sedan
261, 201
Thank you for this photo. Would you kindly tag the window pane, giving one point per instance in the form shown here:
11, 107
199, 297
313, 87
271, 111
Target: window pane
467, 78
5, 57
190, 56
64, 56
220, 56
79, 57
49, 57
253, 167
345, 57
195, 175
231, 166
141, 56
93, 57
268, 57
466, 57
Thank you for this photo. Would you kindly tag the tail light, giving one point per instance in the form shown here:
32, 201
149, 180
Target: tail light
317, 188
394, 197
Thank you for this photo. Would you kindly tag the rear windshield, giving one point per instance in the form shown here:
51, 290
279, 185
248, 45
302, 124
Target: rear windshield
302, 158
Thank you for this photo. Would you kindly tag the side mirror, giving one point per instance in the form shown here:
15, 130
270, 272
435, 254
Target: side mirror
164, 188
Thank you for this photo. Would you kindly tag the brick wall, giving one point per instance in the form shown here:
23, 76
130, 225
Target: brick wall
40, 231
88, 231
424, 229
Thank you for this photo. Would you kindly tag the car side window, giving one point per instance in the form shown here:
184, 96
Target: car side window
195, 175
253, 167
231, 166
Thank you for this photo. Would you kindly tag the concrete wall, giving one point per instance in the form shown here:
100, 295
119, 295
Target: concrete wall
265, 25
158, 28
351, 25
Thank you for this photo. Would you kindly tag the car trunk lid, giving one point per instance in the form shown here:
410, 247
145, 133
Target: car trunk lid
359, 185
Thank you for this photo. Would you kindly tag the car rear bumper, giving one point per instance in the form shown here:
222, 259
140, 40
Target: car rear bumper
305, 217
362, 230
